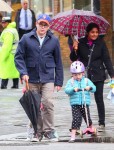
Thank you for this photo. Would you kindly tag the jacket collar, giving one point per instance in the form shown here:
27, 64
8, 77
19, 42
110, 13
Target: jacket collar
81, 79
85, 40
33, 33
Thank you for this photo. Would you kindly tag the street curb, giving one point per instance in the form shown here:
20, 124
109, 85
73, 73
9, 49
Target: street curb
83, 140
93, 140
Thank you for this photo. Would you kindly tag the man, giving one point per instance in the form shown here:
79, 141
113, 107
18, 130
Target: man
8, 44
25, 19
38, 60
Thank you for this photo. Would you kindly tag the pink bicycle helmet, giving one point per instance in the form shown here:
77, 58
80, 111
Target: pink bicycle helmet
77, 67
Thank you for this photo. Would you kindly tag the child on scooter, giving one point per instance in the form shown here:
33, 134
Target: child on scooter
74, 88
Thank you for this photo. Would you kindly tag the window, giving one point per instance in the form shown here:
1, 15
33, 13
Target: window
82, 4
43, 6
67, 5
12, 1
15, 1
76, 4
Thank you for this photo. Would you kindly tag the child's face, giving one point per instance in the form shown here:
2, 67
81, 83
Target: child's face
77, 76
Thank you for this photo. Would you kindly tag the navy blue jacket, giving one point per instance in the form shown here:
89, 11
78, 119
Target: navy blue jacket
41, 63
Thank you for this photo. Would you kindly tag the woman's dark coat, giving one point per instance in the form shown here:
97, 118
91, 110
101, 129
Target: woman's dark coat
100, 59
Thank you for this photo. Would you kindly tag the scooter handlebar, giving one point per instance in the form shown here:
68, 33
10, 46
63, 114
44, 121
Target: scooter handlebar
84, 89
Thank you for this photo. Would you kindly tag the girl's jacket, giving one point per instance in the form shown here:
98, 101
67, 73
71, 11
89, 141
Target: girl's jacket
77, 98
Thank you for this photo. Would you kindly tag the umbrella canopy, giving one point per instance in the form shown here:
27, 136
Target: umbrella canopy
30, 102
74, 22
5, 7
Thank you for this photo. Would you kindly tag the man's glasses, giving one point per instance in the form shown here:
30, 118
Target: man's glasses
43, 25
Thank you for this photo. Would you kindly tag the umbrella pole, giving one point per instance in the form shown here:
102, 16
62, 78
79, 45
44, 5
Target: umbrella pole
27, 85
85, 107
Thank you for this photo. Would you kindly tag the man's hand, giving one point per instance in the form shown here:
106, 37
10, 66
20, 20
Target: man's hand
25, 78
58, 88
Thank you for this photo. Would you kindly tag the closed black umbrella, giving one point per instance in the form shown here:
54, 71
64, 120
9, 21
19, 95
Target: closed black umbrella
30, 102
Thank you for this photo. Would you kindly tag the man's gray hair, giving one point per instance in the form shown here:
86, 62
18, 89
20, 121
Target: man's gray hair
22, 1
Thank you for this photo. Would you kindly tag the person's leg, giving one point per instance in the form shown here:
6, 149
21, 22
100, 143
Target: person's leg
76, 121
100, 103
4, 83
15, 83
37, 88
83, 112
48, 106
76, 117
48, 111
20, 33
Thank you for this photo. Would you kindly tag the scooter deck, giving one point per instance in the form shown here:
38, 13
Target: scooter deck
88, 131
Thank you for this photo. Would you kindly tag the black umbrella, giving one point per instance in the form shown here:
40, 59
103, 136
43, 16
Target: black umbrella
30, 102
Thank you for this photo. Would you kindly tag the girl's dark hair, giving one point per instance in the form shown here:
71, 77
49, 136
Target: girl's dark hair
90, 26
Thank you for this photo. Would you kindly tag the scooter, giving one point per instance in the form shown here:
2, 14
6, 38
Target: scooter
90, 129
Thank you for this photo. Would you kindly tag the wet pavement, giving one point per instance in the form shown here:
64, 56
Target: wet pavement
13, 119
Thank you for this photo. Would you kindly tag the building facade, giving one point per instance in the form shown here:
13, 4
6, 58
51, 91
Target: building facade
52, 7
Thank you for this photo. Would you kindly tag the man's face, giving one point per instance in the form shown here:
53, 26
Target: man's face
25, 5
5, 24
42, 28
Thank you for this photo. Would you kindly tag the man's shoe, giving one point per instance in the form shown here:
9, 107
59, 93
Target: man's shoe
14, 87
3, 87
30, 133
101, 128
35, 139
40, 136
51, 135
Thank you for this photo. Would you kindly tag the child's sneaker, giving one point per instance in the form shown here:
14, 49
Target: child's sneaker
35, 139
78, 132
72, 140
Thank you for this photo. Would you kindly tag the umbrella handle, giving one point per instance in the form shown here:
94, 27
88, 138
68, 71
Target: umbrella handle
27, 85
75, 42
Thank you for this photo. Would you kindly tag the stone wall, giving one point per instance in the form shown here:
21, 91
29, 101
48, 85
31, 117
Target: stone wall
106, 12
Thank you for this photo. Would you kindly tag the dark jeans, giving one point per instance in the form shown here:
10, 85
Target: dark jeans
21, 32
99, 101
4, 82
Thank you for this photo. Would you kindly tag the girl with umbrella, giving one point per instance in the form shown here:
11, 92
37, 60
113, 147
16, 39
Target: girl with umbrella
92, 51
